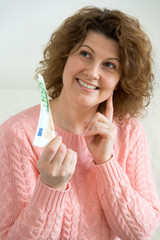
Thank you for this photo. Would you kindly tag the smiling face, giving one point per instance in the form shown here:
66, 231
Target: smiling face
92, 71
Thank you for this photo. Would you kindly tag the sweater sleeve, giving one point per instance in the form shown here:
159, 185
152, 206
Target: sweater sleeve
29, 209
129, 200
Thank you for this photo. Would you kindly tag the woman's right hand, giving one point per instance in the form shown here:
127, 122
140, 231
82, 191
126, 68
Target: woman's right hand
57, 164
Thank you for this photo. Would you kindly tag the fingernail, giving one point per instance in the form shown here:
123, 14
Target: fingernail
85, 131
87, 121
60, 137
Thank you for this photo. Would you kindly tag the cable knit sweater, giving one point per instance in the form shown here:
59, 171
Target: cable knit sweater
115, 200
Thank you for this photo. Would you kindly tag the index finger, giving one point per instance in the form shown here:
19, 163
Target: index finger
109, 108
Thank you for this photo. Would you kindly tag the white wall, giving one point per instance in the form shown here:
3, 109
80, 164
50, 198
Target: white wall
25, 28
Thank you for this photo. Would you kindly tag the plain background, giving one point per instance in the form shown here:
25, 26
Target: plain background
25, 28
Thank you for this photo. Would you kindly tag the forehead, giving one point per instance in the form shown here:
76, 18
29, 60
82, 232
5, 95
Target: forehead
100, 44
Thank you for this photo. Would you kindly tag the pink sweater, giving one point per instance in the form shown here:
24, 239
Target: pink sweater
115, 200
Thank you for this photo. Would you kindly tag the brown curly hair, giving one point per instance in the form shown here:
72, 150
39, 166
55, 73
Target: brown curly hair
136, 79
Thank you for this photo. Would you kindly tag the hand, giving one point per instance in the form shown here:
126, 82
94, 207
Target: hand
57, 164
100, 134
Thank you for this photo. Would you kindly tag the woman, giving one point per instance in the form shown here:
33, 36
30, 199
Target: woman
94, 180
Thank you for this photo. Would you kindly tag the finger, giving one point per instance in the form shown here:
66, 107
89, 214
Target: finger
73, 162
60, 155
86, 124
50, 150
90, 139
70, 161
68, 157
102, 130
98, 118
109, 109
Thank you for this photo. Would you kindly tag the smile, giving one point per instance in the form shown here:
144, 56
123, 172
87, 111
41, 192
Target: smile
88, 86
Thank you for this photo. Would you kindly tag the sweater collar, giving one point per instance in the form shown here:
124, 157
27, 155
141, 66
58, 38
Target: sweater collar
71, 140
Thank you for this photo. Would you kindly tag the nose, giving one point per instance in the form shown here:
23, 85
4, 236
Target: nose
92, 72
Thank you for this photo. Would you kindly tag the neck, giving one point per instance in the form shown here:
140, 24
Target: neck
70, 116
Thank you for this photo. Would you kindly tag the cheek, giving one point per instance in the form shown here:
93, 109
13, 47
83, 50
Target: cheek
110, 82
67, 72
73, 66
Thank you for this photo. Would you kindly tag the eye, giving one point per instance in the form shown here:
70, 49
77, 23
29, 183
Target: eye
110, 65
85, 54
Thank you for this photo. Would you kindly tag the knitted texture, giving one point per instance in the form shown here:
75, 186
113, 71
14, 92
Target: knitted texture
115, 200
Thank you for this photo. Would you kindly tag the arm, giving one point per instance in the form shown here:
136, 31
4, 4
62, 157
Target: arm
29, 209
130, 204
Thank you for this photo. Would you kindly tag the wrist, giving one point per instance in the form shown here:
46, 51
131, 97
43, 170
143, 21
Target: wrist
99, 162
61, 187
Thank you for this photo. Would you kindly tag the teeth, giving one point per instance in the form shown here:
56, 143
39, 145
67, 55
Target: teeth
86, 85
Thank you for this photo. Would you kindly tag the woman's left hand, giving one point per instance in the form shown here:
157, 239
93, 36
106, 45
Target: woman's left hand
100, 134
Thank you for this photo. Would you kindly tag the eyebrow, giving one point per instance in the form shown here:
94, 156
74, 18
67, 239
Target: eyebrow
117, 59
113, 59
87, 47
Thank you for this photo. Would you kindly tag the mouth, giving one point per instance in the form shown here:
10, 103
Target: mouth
86, 85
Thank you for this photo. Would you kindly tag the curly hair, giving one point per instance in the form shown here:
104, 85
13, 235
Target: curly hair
135, 87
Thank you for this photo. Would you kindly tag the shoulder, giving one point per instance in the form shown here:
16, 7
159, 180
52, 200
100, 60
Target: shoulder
130, 140
130, 131
130, 126
23, 124
136, 128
